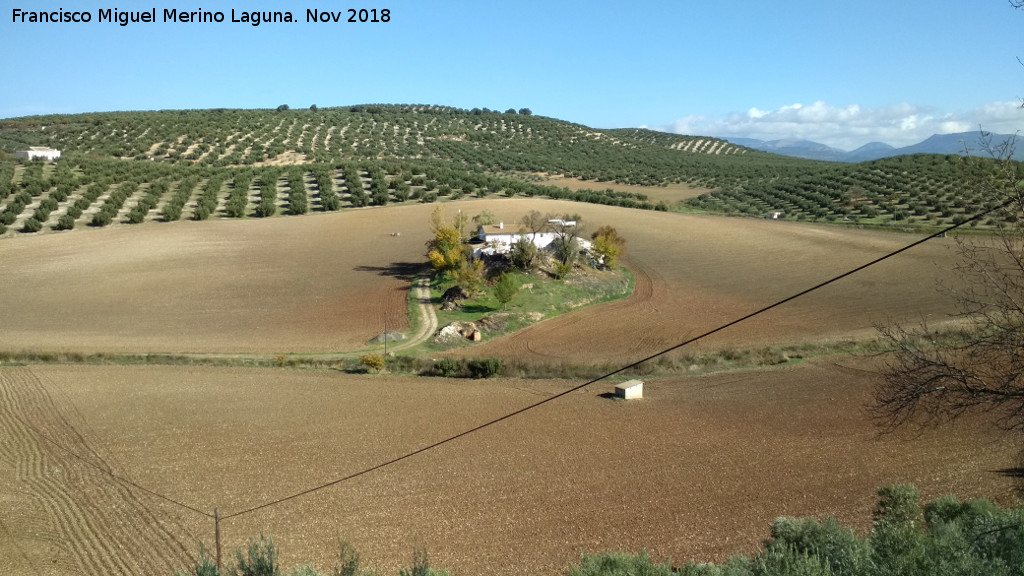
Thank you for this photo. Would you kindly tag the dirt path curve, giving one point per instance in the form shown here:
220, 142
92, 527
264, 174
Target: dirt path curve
428, 318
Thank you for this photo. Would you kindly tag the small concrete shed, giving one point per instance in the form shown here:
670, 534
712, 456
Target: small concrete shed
630, 389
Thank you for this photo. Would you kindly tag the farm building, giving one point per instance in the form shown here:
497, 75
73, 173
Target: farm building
497, 239
38, 153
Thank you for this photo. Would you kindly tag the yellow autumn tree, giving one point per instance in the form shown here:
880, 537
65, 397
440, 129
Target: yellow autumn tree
609, 245
446, 250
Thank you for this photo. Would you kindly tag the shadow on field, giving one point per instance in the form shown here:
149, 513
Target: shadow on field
1016, 473
402, 270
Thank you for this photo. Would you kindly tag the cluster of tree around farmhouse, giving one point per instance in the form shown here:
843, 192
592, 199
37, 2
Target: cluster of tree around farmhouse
474, 253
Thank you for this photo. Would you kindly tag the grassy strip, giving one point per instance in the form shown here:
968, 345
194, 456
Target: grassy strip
669, 365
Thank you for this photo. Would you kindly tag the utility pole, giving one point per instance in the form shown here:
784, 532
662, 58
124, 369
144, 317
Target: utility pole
216, 536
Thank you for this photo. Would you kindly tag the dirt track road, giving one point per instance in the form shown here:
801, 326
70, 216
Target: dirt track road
428, 318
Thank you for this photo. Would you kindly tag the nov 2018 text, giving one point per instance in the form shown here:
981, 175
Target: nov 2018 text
173, 15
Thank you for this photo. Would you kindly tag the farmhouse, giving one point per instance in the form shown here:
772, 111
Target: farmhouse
501, 239
497, 239
38, 153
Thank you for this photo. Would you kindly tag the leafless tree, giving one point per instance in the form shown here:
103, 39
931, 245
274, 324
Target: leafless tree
566, 229
533, 223
936, 375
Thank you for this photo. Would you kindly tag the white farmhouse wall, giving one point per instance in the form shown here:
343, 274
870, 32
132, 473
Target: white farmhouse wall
38, 153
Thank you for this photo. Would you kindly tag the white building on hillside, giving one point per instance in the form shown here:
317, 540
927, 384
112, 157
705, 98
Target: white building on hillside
38, 153
499, 240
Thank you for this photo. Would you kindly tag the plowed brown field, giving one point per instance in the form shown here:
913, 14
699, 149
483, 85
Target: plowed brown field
697, 469
328, 282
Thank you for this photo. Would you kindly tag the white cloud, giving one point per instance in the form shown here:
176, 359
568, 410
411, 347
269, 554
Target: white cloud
852, 126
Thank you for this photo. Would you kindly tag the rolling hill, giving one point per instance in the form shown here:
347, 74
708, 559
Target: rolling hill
140, 167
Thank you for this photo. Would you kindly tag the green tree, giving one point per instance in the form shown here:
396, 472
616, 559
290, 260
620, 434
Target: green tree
505, 289
470, 276
485, 218
523, 254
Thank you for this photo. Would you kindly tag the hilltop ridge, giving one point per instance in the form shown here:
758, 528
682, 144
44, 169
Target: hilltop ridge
135, 167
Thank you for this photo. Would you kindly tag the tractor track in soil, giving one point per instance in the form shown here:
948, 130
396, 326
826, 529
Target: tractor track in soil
65, 491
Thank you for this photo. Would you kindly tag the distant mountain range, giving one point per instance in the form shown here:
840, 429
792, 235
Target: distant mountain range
936, 144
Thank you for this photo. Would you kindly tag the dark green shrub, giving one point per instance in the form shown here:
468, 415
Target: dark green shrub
421, 566
898, 505
348, 560
789, 561
261, 560
837, 546
484, 367
614, 564
32, 225
65, 222
448, 367
523, 254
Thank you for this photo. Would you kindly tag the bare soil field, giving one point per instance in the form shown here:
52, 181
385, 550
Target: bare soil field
310, 284
695, 273
697, 469
326, 283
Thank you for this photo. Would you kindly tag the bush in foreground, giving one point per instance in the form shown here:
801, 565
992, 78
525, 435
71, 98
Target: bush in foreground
261, 559
448, 367
374, 362
484, 367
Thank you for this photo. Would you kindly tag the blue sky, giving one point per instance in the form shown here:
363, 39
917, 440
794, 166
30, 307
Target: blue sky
842, 73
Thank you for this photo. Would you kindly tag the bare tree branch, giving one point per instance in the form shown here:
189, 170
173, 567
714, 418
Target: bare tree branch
934, 376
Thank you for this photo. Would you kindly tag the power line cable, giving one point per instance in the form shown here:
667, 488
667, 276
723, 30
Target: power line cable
800, 294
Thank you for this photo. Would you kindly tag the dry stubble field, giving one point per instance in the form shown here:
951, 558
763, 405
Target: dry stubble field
698, 469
